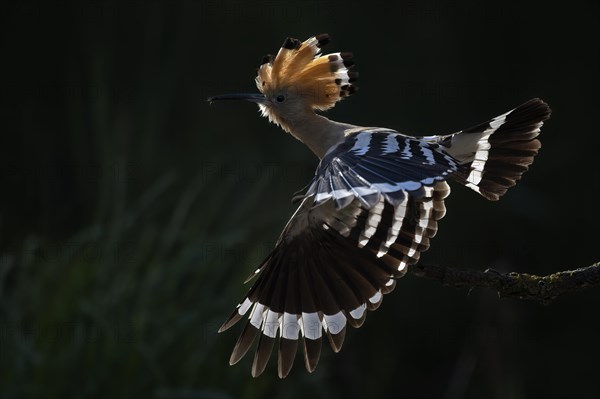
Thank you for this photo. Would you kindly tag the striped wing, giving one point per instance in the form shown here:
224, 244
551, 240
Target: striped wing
379, 161
329, 266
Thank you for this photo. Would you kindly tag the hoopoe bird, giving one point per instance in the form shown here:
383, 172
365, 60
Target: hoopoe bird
370, 210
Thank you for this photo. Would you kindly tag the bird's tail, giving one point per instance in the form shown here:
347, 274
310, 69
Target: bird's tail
493, 155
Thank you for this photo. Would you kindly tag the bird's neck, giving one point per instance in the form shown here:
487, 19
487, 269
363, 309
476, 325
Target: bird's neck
318, 132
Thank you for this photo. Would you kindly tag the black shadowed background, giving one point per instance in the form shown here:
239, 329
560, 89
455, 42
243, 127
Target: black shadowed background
131, 211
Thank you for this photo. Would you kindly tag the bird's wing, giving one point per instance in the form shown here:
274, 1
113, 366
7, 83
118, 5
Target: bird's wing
379, 161
337, 256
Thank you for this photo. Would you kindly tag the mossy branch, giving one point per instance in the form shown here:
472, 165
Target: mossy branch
543, 289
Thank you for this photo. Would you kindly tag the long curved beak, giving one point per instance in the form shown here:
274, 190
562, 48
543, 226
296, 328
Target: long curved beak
252, 97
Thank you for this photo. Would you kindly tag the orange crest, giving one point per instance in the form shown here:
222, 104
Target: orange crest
300, 67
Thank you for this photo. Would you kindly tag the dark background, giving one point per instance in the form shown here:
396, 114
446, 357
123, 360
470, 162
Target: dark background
131, 210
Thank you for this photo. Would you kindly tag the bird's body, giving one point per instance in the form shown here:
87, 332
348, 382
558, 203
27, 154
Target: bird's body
370, 210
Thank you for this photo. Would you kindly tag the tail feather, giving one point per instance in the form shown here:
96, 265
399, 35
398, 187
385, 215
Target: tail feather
494, 155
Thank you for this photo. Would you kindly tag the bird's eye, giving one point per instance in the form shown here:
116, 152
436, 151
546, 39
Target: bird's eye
280, 98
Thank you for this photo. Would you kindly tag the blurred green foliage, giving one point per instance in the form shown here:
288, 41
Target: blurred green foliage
131, 211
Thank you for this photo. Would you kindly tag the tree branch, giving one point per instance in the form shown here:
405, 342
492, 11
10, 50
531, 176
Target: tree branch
516, 285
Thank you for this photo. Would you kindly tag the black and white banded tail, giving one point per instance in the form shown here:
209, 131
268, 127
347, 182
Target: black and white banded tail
493, 155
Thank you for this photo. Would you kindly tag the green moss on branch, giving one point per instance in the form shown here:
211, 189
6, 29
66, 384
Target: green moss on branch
543, 289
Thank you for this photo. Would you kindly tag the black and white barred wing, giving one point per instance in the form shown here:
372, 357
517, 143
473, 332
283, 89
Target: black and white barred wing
335, 259
318, 279
378, 161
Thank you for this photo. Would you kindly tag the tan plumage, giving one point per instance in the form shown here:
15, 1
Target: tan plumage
299, 67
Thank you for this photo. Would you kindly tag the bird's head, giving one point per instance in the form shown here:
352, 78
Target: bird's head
299, 79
